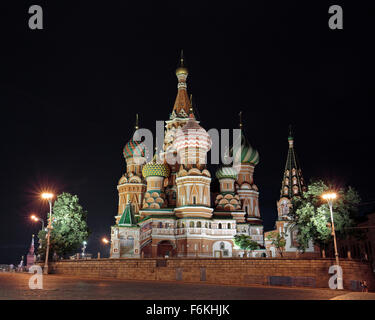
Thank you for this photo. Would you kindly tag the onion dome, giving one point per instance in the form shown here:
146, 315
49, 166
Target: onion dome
226, 173
154, 168
134, 148
246, 153
192, 135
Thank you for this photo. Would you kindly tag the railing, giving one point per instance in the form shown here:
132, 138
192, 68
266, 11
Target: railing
193, 231
162, 231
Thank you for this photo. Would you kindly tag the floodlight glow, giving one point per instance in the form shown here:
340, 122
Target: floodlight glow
47, 195
105, 240
329, 196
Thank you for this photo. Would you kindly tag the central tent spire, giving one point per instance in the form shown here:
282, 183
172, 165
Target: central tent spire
182, 104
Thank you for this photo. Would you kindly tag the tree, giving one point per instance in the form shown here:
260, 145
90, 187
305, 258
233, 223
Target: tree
310, 214
278, 240
69, 226
245, 243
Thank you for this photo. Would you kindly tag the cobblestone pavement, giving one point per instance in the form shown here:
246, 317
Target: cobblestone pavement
14, 286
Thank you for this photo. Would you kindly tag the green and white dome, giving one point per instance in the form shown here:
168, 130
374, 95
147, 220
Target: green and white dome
245, 154
226, 173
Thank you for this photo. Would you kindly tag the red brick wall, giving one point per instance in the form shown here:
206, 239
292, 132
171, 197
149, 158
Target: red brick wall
232, 271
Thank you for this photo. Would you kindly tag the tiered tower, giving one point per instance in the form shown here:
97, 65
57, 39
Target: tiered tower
31, 258
292, 184
156, 174
177, 119
245, 159
193, 180
228, 202
131, 186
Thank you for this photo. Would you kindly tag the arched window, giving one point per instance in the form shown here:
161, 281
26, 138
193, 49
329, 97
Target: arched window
160, 225
222, 246
229, 226
206, 225
194, 200
209, 225
199, 224
191, 224
183, 224
220, 226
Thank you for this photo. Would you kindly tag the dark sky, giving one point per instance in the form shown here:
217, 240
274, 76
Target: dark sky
69, 94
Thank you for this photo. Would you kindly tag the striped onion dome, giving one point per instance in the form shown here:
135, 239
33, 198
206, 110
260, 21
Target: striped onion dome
192, 135
247, 154
154, 168
226, 172
134, 149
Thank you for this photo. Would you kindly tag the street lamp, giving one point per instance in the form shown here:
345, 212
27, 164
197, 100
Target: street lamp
105, 242
36, 219
330, 197
48, 196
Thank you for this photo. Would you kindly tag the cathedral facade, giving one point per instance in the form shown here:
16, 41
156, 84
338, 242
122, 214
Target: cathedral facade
167, 208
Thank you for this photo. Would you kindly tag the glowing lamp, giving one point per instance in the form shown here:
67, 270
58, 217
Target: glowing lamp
329, 196
47, 195
105, 240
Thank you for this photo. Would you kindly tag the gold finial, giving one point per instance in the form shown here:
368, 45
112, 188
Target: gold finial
240, 114
181, 68
136, 122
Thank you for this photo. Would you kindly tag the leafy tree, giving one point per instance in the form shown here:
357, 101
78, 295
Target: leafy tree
69, 226
311, 215
278, 240
245, 243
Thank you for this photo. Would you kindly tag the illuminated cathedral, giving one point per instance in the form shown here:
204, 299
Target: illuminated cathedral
169, 210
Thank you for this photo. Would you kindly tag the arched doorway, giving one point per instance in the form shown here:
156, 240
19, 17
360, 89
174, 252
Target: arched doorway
165, 248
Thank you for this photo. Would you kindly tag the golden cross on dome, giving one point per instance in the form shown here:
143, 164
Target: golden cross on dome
240, 114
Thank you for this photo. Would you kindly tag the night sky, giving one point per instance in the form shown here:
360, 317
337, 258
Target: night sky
69, 94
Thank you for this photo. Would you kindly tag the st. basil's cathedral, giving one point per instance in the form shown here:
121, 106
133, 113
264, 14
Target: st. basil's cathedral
169, 210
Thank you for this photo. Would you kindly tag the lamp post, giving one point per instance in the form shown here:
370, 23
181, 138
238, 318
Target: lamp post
35, 218
48, 197
106, 242
330, 197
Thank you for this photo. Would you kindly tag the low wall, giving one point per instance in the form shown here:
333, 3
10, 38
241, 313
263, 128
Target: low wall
233, 271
